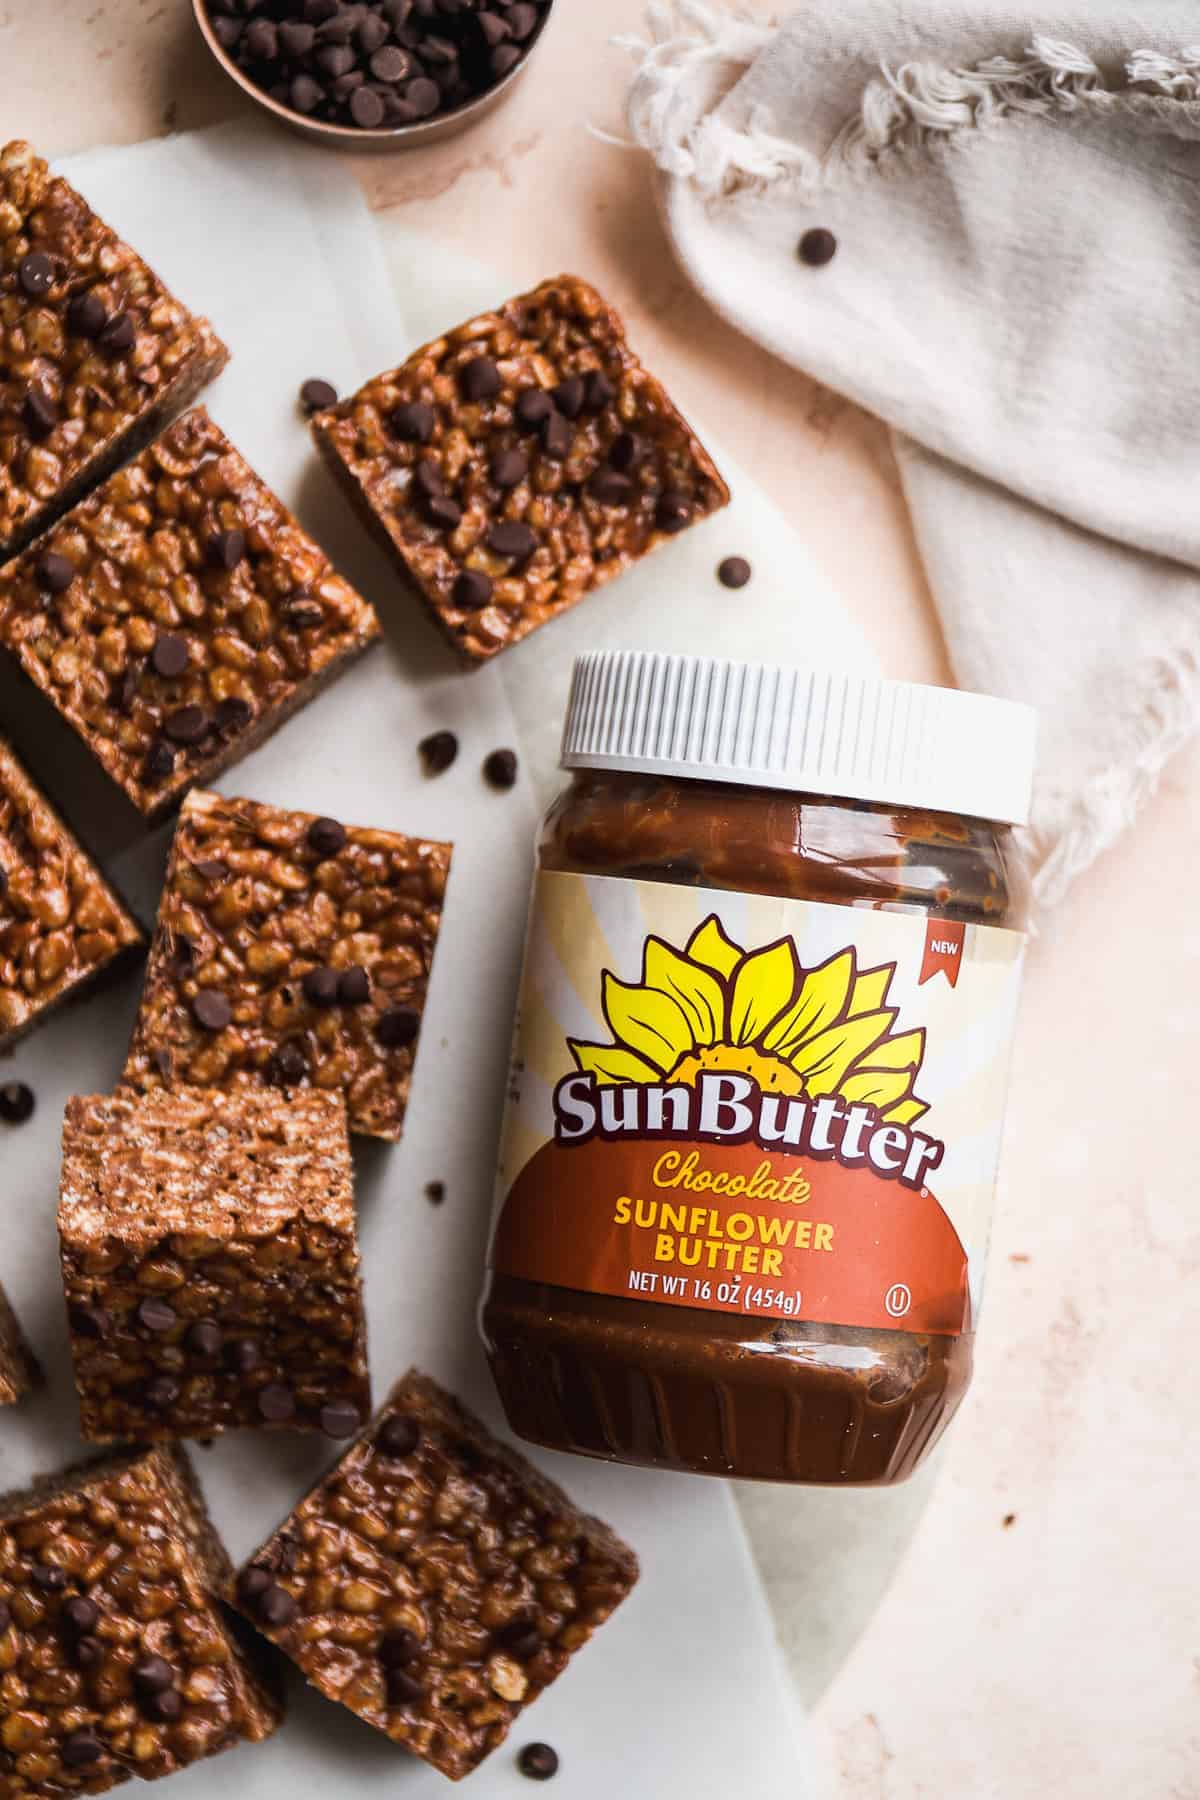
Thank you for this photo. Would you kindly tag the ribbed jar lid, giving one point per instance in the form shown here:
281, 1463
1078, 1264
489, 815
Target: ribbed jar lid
805, 730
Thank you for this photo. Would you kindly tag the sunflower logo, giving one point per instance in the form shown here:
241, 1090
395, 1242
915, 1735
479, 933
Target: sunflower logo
794, 1031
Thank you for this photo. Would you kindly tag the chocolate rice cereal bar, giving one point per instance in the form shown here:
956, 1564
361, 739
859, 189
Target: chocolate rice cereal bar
518, 462
60, 922
19, 1371
179, 615
95, 354
292, 952
435, 1582
210, 1264
116, 1656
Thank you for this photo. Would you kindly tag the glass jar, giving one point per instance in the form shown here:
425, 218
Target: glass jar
759, 1071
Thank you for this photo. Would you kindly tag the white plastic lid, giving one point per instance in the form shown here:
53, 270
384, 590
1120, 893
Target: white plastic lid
806, 730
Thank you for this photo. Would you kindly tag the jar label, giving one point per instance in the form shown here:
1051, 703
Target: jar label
752, 1105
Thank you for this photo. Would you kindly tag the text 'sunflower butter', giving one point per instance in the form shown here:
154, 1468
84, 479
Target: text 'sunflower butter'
759, 1071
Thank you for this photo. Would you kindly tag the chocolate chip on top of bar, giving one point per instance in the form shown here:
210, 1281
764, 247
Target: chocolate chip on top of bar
518, 462
435, 1582
179, 615
60, 922
94, 351
291, 951
116, 1658
210, 1264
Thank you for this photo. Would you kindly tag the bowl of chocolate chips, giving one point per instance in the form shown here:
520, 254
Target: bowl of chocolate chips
374, 74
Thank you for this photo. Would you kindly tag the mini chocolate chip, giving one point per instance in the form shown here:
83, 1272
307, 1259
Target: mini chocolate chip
81, 1614
398, 1436
424, 96
16, 1102
439, 750
80, 1749
244, 1354
225, 549
153, 1675
340, 1419
320, 987
367, 108
87, 315
49, 1578
205, 1338
170, 654
522, 18
35, 273
625, 451
87, 1652
119, 334
316, 394
326, 837
276, 1606
509, 468
521, 1639
414, 422
54, 572
159, 763
399, 1646
162, 1392
511, 538
210, 869
354, 987
533, 407
276, 1403
443, 512
165, 1707
557, 437
155, 1314
187, 725
40, 413
398, 1027
289, 1065
609, 487
500, 769
568, 396
211, 1009
503, 60
673, 512
733, 572
472, 589
479, 379
818, 247
428, 478
254, 1581
538, 1761
403, 1688
600, 391
90, 1321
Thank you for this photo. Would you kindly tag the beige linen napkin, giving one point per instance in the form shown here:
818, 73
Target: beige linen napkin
1016, 291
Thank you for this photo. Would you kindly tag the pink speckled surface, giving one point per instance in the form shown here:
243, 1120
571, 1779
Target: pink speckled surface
1024, 1623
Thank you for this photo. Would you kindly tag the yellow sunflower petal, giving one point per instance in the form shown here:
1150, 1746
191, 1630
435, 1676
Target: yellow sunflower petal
711, 947
907, 1113
610, 1064
869, 992
647, 1022
880, 1088
824, 1060
818, 1005
762, 988
903, 1052
698, 993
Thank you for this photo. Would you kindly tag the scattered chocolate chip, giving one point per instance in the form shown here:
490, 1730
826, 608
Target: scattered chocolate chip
443, 512
316, 394
733, 572
276, 1403
367, 108
16, 1102
509, 468
86, 1652
398, 1436
87, 315
211, 1009
35, 273
439, 750
254, 1582
398, 1027
479, 379
81, 1614
118, 333
289, 1065
339, 1419
49, 1578
511, 538
414, 422
818, 247
428, 478
154, 1314
625, 451
225, 549
162, 1392
153, 1675
54, 572
568, 396
673, 512
521, 1639
90, 1321
80, 1749
435, 1192
186, 725
205, 1338
39, 412
557, 437
276, 1606
538, 1761
301, 615
600, 391
354, 987
209, 869
500, 769
165, 1707
244, 1354
398, 1647
159, 763
170, 654
610, 487
533, 407
403, 1689
326, 837
320, 987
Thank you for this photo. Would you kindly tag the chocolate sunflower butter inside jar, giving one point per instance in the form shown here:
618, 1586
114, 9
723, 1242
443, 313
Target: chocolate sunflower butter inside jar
759, 1072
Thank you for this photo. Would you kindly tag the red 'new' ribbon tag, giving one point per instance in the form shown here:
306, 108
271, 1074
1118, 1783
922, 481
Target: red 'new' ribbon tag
943, 950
